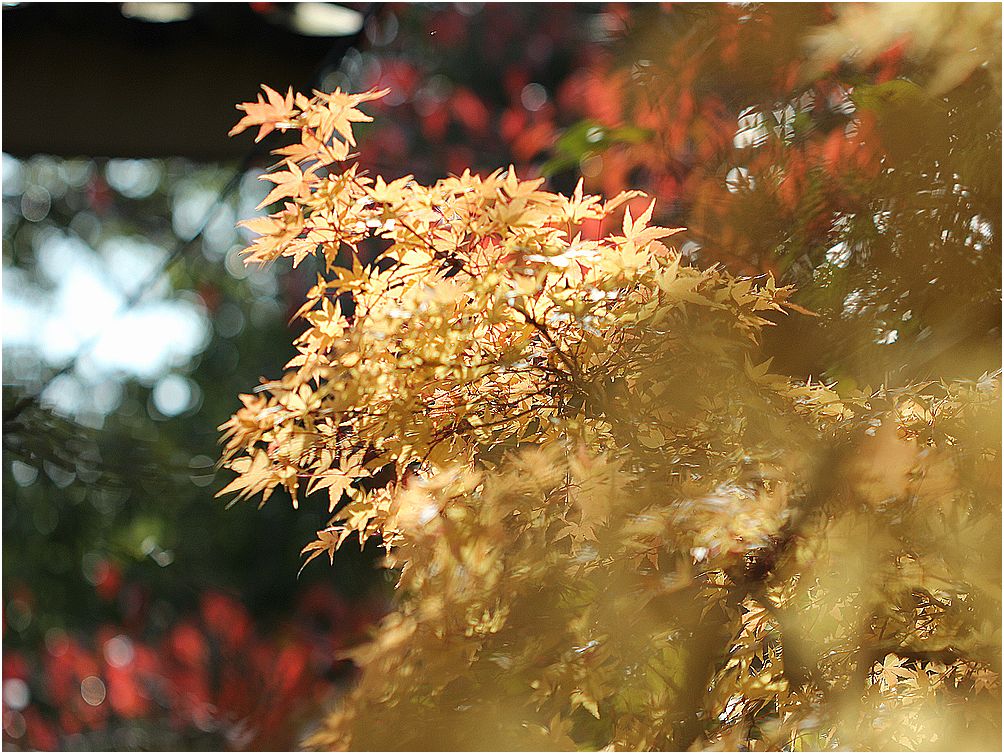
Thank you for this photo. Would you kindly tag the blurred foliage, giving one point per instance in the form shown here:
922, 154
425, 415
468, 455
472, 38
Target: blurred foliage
108, 518
849, 150
588, 139
852, 150
110, 532
472, 86
612, 525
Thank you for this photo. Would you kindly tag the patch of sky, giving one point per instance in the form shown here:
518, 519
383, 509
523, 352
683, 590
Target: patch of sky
751, 130
887, 337
839, 254
175, 394
131, 262
785, 118
135, 179
251, 192
220, 234
72, 302
152, 337
189, 208
981, 233
13, 176
85, 305
739, 179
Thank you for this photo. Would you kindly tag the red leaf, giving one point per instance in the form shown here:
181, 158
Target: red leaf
470, 111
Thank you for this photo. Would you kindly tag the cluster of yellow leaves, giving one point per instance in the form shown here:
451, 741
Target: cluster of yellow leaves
542, 614
952, 40
885, 616
613, 524
483, 319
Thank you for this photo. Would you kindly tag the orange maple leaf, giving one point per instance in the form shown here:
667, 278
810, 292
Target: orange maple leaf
294, 183
276, 113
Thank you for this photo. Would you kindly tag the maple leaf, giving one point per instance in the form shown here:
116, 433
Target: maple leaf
327, 543
335, 482
277, 230
277, 112
312, 148
294, 183
468, 401
891, 670
639, 232
255, 476
340, 113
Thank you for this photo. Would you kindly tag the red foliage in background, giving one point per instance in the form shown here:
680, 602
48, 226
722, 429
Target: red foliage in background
480, 90
212, 673
687, 89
